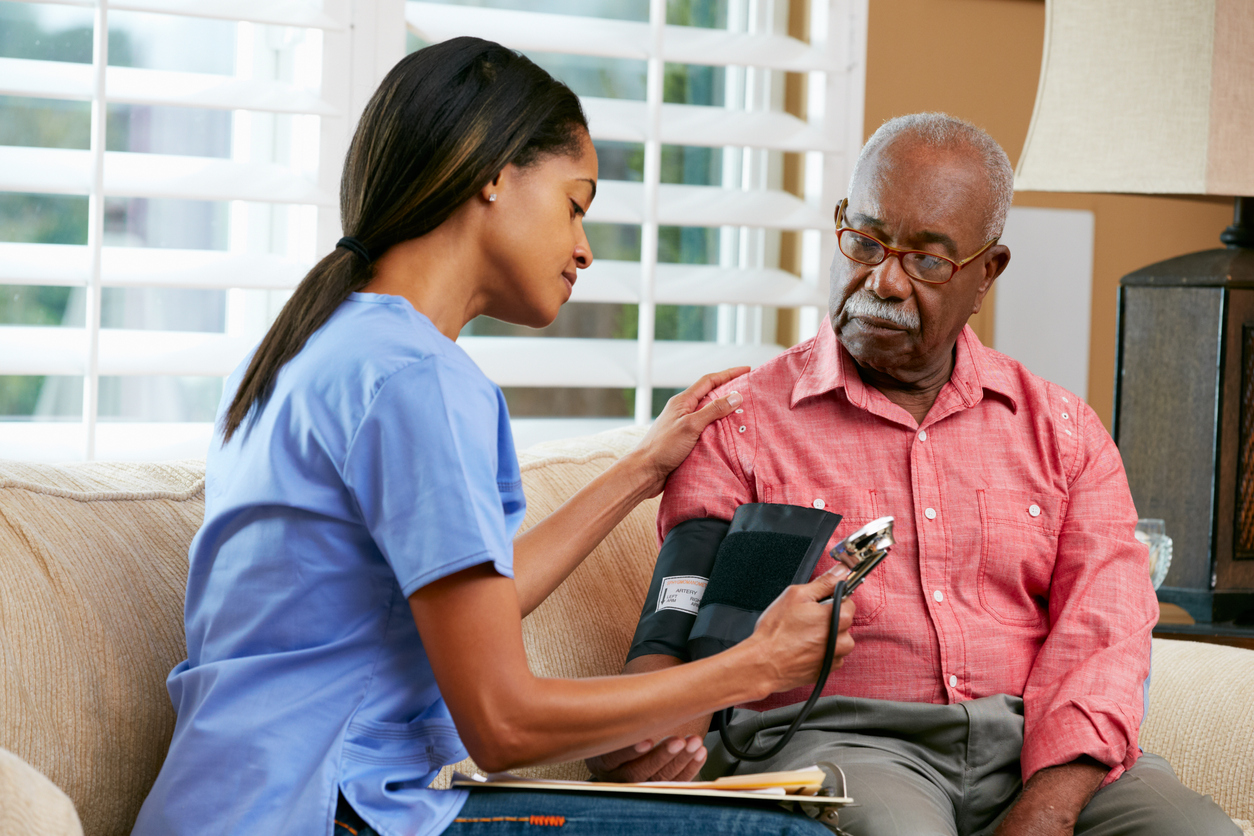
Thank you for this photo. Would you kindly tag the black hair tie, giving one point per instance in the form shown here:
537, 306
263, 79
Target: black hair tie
351, 244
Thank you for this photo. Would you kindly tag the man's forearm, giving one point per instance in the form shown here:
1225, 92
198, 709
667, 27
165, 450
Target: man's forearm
1052, 799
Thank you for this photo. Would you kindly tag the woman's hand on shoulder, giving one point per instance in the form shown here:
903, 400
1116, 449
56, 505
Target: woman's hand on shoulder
676, 430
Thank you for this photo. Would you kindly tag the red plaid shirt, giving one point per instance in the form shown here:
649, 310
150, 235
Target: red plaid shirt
1015, 570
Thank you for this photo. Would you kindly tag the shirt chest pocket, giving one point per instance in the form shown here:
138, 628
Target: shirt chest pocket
1018, 546
857, 507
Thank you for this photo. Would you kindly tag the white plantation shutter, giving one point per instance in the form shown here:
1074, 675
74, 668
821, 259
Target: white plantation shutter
303, 71
756, 50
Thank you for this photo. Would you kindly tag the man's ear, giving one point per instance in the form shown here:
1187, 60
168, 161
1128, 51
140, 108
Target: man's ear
998, 258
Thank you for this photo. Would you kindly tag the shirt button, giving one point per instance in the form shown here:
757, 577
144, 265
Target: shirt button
820, 504
742, 429
738, 411
1034, 510
938, 595
1065, 416
922, 435
930, 513
953, 681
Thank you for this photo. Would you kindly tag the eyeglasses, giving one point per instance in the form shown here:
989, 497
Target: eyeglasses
926, 267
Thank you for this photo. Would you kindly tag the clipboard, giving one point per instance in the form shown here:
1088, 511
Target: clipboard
805, 787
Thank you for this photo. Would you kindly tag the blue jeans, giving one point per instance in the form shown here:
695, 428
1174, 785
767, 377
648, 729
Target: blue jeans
509, 812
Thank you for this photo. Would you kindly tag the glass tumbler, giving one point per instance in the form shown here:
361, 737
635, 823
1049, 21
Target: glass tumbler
1153, 534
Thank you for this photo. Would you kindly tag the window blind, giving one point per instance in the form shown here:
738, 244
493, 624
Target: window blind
300, 74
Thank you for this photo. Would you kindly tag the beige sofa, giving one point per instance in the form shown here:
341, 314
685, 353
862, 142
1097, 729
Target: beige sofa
93, 560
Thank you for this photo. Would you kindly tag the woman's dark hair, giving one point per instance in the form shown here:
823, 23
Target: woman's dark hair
441, 126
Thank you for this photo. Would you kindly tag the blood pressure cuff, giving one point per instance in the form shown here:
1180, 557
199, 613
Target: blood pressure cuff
714, 578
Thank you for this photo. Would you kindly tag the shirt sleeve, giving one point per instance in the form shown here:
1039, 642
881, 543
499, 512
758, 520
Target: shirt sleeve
423, 469
711, 481
1084, 691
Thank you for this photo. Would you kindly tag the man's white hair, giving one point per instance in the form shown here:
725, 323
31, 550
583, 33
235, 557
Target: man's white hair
944, 132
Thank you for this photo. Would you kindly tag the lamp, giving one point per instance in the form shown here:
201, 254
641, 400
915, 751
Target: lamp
1157, 96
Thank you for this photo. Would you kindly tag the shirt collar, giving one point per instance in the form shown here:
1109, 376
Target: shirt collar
830, 367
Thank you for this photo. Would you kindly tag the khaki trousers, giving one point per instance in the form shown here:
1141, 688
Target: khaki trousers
916, 769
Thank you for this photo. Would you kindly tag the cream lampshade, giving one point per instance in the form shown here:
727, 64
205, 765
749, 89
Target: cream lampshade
1150, 96
1157, 96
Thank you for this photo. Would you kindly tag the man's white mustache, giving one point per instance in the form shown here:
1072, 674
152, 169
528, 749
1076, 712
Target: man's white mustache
864, 304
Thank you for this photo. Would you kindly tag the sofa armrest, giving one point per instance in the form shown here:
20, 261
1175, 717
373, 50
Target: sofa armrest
30, 803
1201, 719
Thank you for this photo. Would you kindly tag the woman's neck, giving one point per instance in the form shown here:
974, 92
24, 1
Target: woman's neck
438, 273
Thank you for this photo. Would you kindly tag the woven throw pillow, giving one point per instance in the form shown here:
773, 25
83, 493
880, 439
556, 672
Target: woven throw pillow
585, 627
94, 562
30, 803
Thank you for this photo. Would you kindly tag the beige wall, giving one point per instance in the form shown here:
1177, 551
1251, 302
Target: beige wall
980, 60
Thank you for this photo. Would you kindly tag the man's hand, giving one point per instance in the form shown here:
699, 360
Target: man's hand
674, 759
1052, 799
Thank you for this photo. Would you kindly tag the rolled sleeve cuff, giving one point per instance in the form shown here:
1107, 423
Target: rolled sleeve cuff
1098, 728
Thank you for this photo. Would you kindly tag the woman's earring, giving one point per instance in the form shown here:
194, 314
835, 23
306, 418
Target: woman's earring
492, 198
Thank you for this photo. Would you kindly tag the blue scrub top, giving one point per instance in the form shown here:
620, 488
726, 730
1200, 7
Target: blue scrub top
381, 461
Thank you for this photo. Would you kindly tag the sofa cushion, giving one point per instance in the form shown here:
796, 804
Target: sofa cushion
585, 627
1201, 719
94, 561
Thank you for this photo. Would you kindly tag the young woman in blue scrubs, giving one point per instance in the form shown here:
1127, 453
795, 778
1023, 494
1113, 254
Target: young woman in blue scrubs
356, 592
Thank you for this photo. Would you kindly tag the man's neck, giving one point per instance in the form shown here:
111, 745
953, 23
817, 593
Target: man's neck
913, 394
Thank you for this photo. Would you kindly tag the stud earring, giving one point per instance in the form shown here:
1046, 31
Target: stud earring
492, 198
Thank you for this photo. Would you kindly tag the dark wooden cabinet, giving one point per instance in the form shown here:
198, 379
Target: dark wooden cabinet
1184, 422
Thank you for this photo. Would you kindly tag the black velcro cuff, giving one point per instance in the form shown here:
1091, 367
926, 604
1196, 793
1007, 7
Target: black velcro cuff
687, 555
767, 548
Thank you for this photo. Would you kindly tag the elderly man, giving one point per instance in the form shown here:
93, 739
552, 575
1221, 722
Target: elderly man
1003, 646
